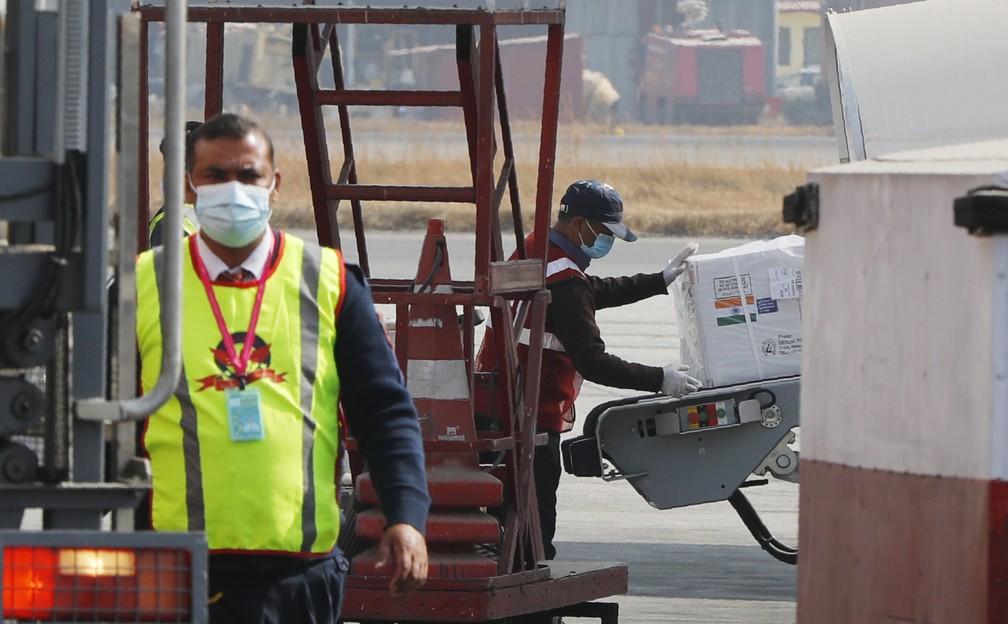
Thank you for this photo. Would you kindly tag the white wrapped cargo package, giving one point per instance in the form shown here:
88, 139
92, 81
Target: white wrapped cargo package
728, 337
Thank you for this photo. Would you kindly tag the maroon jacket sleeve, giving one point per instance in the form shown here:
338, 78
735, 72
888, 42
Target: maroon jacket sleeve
570, 316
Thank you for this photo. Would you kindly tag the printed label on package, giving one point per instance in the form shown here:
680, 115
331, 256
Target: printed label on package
766, 305
728, 286
788, 344
786, 283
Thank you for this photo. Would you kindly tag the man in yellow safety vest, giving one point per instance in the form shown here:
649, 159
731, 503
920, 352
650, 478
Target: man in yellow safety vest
277, 334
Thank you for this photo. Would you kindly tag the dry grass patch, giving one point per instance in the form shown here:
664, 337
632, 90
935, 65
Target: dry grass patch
665, 198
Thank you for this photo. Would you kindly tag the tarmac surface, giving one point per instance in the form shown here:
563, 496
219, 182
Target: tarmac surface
696, 564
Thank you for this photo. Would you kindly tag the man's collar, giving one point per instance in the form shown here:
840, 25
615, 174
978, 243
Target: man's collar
255, 263
561, 241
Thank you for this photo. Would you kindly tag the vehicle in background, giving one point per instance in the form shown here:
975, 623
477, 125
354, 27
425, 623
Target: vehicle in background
702, 76
804, 97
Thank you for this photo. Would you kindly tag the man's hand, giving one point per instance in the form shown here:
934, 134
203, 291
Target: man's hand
675, 266
677, 383
404, 547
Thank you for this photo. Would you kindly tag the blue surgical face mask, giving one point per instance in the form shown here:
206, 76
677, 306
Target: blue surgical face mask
603, 244
232, 213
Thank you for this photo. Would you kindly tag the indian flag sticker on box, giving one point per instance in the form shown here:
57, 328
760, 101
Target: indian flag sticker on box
730, 311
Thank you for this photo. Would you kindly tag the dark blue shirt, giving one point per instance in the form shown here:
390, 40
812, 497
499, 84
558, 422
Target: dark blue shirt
378, 408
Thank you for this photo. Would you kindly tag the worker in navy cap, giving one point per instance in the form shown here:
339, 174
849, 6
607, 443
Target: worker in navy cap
590, 220
595, 201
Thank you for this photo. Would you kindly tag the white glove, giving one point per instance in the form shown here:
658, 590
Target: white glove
677, 383
675, 266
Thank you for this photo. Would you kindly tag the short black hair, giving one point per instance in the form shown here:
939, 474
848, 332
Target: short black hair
564, 217
227, 125
191, 126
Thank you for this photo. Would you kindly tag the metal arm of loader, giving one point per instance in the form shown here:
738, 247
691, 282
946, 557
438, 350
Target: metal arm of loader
696, 449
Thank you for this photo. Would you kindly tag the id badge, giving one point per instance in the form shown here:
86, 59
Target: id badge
244, 410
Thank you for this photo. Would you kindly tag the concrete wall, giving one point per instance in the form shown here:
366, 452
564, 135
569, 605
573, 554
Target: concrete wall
612, 35
796, 23
904, 396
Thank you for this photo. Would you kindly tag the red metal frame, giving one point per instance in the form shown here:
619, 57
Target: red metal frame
513, 290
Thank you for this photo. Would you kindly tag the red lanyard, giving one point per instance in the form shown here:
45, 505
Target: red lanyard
240, 364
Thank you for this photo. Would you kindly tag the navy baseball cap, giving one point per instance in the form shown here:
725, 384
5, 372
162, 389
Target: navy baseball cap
596, 200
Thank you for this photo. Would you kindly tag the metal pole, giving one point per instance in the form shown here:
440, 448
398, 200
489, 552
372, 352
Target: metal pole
169, 283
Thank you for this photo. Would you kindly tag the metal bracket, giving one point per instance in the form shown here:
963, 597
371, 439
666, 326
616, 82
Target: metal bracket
801, 208
22, 405
771, 416
28, 344
983, 211
615, 475
782, 461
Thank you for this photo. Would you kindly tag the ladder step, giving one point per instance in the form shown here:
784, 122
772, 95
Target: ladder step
443, 526
375, 192
448, 565
372, 97
448, 487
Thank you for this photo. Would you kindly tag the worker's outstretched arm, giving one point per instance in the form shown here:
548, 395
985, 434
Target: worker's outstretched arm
570, 316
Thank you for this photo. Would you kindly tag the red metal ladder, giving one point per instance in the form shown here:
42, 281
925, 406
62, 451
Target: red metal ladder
427, 335
511, 289
459, 489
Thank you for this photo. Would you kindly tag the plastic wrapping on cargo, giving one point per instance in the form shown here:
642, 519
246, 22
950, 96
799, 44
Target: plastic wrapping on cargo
730, 337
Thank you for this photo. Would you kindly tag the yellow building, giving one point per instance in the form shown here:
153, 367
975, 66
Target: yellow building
799, 34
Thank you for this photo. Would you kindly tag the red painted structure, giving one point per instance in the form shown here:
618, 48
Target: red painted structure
702, 76
469, 581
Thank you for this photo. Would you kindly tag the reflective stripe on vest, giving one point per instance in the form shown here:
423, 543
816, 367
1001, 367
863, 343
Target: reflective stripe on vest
248, 495
550, 341
560, 264
553, 267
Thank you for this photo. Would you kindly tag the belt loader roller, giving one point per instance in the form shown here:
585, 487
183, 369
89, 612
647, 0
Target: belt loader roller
696, 449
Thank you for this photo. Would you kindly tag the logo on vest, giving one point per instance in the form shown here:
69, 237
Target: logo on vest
258, 366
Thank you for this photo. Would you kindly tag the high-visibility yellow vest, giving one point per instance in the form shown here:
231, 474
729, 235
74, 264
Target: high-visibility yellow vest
277, 494
188, 226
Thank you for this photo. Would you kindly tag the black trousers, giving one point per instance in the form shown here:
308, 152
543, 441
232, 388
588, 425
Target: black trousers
246, 589
546, 472
546, 475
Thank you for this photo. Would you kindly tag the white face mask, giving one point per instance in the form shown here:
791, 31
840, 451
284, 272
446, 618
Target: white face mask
232, 213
